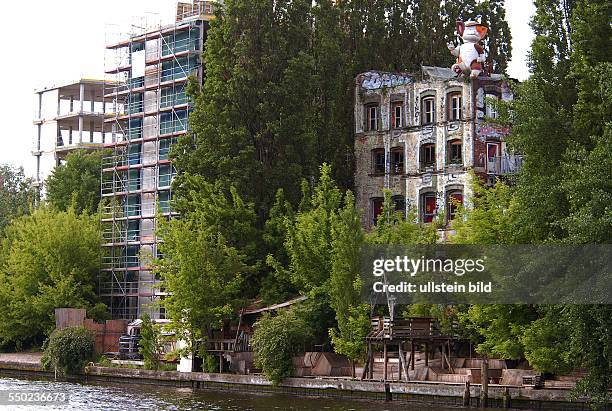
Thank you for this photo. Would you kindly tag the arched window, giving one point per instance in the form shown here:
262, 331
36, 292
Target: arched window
397, 160
377, 208
455, 152
372, 117
397, 112
491, 101
428, 108
455, 102
378, 161
428, 156
428, 207
454, 200
399, 203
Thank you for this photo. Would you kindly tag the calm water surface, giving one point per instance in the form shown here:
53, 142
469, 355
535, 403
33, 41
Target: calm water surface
85, 396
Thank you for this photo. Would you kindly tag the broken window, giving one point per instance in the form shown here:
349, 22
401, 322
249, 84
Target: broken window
377, 208
454, 152
454, 200
378, 161
428, 205
397, 113
397, 160
399, 204
491, 101
493, 158
429, 110
455, 107
428, 155
372, 116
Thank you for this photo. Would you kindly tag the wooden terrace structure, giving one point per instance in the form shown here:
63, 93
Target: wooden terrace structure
399, 335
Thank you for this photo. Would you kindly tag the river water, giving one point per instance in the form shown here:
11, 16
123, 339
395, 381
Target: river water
86, 396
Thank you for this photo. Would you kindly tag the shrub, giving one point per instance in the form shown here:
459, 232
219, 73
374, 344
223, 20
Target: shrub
276, 340
151, 344
68, 350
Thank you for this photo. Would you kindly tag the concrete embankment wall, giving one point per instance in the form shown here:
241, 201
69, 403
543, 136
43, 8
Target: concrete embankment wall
429, 392
438, 393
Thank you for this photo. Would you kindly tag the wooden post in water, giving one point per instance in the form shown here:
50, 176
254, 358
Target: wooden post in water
366, 363
412, 355
466, 394
385, 361
426, 354
506, 398
371, 367
484, 380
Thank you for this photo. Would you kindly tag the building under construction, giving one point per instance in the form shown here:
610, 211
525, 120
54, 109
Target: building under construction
67, 117
149, 112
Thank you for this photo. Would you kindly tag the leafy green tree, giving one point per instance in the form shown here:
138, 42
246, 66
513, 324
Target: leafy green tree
204, 265
50, 259
492, 218
76, 182
497, 328
151, 345
277, 286
349, 338
393, 228
276, 340
251, 117
17, 195
309, 240
69, 350
353, 319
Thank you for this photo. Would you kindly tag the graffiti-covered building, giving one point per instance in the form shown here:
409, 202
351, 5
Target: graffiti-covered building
419, 135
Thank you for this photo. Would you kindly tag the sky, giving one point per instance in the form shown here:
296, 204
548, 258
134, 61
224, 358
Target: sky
63, 40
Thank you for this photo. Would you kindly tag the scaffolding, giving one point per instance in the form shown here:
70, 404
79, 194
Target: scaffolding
150, 66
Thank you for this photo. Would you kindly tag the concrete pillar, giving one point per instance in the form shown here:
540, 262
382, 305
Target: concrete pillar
91, 131
70, 136
81, 108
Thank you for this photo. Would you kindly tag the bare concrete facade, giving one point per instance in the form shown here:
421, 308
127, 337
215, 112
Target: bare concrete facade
420, 135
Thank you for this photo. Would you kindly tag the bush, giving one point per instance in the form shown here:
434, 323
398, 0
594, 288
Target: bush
151, 346
276, 340
68, 350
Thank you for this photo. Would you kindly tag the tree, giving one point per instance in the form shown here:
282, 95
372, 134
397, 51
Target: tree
345, 286
276, 340
17, 195
50, 259
76, 182
492, 218
560, 123
349, 338
68, 350
251, 117
393, 228
203, 266
309, 240
151, 345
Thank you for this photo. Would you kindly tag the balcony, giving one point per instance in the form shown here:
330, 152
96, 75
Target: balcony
504, 165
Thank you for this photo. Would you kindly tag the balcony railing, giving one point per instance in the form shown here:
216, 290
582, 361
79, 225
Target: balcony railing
121, 262
503, 165
179, 46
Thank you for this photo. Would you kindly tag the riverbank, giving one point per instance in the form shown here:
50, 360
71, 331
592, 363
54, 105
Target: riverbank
430, 392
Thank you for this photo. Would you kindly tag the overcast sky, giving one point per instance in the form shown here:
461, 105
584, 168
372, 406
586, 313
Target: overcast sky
63, 40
